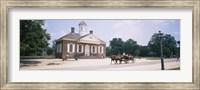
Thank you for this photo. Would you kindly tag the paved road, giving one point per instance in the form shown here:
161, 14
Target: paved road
102, 65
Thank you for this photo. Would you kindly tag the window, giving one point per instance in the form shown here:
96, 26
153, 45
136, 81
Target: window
93, 49
100, 50
79, 48
70, 47
81, 28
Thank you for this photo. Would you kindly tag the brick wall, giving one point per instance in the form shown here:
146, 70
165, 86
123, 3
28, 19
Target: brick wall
64, 52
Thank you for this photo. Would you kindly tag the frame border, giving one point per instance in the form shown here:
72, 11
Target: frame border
4, 43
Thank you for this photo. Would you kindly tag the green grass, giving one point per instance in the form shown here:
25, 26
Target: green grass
177, 68
37, 57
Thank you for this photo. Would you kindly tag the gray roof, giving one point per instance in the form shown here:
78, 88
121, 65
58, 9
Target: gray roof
75, 37
102, 42
70, 36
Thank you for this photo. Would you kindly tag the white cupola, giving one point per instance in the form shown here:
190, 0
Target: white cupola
82, 28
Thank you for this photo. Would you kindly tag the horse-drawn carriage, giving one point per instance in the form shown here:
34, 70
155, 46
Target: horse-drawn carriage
122, 58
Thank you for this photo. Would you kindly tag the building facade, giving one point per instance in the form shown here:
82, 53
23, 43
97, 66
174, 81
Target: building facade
80, 45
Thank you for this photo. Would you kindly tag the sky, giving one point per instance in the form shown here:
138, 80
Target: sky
139, 30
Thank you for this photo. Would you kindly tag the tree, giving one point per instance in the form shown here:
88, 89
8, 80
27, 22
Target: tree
33, 38
116, 45
50, 51
178, 49
154, 44
137, 52
168, 42
108, 51
167, 52
178, 42
144, 51
54, 47
130, 47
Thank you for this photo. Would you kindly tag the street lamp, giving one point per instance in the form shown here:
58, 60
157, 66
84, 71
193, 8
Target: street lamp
161, 51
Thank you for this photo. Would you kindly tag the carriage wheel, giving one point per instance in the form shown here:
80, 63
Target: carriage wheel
126, 61
133, 61
120, 62
116, 62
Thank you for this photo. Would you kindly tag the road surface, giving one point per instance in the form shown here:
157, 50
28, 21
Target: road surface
99, 65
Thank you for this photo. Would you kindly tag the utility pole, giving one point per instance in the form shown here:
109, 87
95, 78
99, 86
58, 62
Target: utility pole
161, 52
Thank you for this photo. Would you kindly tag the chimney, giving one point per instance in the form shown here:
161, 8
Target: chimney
72, 29
91, 32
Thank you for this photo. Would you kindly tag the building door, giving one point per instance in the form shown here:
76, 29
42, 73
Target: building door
87, 50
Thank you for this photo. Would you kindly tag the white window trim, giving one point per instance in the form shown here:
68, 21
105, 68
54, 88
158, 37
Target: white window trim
78, 48
60, 47
68, 47
95, 49
100, 51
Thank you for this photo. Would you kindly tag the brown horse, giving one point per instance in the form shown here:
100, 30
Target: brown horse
113, 58
119, 58
116, 58
128, 58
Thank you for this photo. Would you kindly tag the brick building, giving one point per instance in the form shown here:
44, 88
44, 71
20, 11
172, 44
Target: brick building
80, 45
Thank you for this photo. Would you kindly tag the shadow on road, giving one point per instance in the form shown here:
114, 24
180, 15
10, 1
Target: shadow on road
30, 62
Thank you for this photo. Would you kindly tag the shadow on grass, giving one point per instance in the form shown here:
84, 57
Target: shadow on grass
30, 62
177, 68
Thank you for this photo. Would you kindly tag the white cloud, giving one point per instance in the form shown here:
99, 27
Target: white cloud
129, 29
139, 30
176, 33
57, 35
162, 23
52, 34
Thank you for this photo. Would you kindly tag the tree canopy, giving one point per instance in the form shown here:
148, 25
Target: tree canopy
168, 42
116, 45
144, 51
131, 47
33, 38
